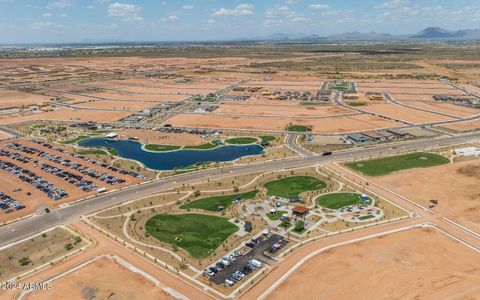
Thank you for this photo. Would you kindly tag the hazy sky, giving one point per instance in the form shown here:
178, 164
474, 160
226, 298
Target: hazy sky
25, 21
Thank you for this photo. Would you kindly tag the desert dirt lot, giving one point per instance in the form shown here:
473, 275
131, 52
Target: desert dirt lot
280, 110
103, 278
11, 98
463, 126
4, 136
67, 114
447, 108
327, 125
119, 105
455, 186
388, 267
405, 114
157, 137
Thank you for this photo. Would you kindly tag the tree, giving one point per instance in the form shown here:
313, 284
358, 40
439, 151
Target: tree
299, 226
68, 246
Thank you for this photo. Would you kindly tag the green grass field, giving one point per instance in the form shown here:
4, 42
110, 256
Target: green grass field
160, 148
292, 186
267, 138
201, 147
212, 203
357, 103
198, 234
339, 200
73, 141
387, 165
275, 216
92, 151
297, 128
241, 140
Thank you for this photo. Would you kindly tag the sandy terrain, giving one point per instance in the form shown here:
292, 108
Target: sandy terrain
156, 137
139, 97
265, 101
463, 126
103, 279
300, 110
4, 136
120, 105
447, 108
388, 268
68, 114
412, 90
327, 125
405, 114
11, 98
458, 194
423, 97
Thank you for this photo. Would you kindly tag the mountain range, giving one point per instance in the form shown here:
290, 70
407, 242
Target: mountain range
429, 33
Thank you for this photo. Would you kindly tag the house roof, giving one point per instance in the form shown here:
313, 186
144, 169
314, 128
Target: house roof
300, 209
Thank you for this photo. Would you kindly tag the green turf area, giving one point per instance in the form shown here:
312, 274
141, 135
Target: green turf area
198, 234
383, 166
365, 217
276, 215
267, 138
292, 186
201, 147
92, 151
212, 203
77, 139
100, 131
160, 148
339, 200
113, 152
241, 140
339, 88
357, 103
297, 128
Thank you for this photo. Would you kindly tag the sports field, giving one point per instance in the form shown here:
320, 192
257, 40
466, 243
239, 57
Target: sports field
212, 203
241, 140
292, 186
384, 166
198, 234
339, 200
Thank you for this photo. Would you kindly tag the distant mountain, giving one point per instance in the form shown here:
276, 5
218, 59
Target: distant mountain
425, 34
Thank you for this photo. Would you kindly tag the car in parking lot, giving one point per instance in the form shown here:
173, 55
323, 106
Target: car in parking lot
208, 272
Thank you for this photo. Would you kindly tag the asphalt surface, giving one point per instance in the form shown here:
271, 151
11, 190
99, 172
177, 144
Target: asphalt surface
71, 213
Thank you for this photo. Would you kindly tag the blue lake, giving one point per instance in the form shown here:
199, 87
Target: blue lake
173, 159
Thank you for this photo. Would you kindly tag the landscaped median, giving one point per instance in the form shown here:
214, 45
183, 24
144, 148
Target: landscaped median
213, 203
200, 235
387, 165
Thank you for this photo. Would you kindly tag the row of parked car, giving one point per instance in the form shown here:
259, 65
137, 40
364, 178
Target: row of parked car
29, 177
277, 246
240, 274
92, 161
15, 156
94, 173
74, 179
8, 204
224, 262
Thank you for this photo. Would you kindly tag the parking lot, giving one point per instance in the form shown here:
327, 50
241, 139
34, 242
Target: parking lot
241, 261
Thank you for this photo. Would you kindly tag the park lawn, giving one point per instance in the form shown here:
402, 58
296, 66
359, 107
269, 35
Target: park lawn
73, 141
387, 165
276, 215
267, 138
357, 103
201, 147
339, 200
200, 235
212, 203
241, 141
292, 186
297, 128
160, 148
365, 217
92, 152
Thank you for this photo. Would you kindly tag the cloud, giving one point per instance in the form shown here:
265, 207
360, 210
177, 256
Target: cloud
187, 6
47, 15
128, 12
283, 15
391, 4
239, 10
60, 4
319, 6
291, 2
170, 18
47, 24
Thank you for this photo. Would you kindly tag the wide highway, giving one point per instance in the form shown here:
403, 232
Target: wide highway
71, 213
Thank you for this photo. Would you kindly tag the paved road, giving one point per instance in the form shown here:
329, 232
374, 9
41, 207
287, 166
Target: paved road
65, 215
292, 143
